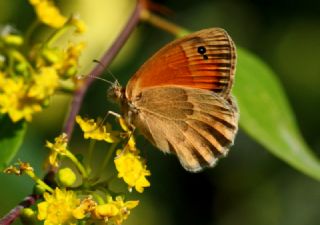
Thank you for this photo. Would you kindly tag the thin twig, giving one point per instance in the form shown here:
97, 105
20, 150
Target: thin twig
98, 69
15, 212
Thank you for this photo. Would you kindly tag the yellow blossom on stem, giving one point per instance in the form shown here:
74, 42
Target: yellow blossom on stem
95, 131
19, 168
86, 206
79, 24
45, 83
58, 207
21, 97
58, 147
12, 170
132, 143
25, 168
14, 99
69, 63
48, 13
132, 169
124, 124
115, 211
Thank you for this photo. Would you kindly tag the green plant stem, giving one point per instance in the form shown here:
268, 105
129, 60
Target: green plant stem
90, 153
80, 167
39, 181
108, 156
163, 24
57, 34
30, 31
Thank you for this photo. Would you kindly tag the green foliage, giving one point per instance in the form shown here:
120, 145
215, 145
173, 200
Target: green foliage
11, 137
267, 117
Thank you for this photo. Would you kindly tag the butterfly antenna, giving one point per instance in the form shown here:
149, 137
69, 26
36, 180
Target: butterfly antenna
99, 63
113, 76
107, 69
94, 77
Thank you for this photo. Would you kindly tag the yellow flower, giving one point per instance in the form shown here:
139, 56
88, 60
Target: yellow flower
106, 211
57, 208
86, 206
20, 99
45, 83
58, 147
124, 124
132, 143
48, 13
115, 211
132, 169
25, 167
68, 64
19, 168
79, 24
12, 170
96, 131
14, 99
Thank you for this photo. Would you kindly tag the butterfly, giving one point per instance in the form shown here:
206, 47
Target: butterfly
180, 98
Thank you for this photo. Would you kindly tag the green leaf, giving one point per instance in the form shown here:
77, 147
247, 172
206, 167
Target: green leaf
266, 116
11, 137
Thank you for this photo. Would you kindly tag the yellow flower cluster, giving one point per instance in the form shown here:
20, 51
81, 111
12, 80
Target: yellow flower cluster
48, 13
114, 211
59, 147
19, 168
57, 208
93, 130
27, 81
130, 166
20, 98
68, 66
64, 207
132, 169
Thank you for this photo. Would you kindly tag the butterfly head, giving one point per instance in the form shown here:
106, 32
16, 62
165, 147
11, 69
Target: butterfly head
116, 92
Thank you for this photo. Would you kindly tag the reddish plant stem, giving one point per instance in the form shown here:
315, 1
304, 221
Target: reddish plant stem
15, 212
98, 69
78, 98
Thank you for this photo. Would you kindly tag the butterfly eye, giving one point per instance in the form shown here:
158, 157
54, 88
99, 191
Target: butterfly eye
138, 97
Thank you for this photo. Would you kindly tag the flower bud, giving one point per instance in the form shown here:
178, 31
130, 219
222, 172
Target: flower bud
13, 39
28, 216
67, 177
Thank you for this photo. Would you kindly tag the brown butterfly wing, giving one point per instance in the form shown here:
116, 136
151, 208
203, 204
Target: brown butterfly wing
205, 59
195, 124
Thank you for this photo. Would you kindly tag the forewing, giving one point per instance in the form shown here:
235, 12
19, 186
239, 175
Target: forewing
205, 59
197, 125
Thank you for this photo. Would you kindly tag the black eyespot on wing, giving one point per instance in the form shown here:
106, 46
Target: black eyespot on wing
202, 50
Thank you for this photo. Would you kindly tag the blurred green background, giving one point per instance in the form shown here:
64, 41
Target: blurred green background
250, 186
